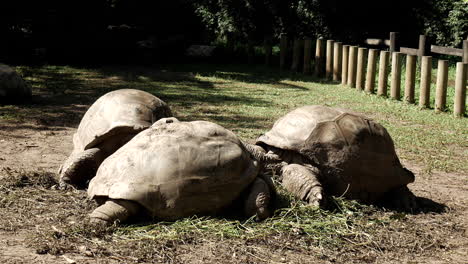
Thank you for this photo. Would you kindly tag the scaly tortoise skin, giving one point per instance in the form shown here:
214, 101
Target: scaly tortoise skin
177, 169
322, 150
109, 123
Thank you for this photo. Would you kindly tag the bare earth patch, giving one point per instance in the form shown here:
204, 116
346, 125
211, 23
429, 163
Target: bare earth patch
41, 224
34, 210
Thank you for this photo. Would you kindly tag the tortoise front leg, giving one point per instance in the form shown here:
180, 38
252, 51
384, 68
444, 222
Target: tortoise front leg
113, 210
270, 161
260, 198
303, 182
80, 167
259, 154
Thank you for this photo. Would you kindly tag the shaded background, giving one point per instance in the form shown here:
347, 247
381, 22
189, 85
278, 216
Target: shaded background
144, 31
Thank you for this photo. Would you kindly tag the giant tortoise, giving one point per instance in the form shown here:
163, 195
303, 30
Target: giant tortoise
13, 88
176, 169
109, 123
318, 150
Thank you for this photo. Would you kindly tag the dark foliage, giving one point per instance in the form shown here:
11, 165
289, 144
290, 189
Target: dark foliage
126, 31
95, 30
443, 21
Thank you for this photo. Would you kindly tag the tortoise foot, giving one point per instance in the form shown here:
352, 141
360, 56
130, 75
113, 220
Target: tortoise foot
303, 182
316, 196
113, 210
64, 185
99, 223
260, 199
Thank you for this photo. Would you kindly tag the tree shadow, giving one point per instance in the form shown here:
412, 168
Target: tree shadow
62, 94
59, 99
190, 97
255, 74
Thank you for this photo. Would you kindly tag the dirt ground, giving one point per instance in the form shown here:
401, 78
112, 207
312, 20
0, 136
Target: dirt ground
39, 143
34, 146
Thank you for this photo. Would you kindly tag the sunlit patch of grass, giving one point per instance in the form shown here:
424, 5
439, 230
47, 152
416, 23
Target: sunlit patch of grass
247, 100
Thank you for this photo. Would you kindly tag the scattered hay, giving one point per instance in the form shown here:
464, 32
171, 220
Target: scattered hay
346, 232
351, 231
19, 179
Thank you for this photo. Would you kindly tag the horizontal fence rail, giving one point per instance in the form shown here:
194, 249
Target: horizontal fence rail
424, 48
447, 51
377, 42
357, 67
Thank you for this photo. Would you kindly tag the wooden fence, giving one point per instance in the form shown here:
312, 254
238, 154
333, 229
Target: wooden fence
356, 67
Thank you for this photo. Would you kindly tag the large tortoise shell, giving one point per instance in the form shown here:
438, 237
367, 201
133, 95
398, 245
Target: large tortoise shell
177, 169
354, 154
120, 112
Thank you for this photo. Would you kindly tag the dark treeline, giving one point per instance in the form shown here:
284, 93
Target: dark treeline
116, 31
444, 21
123, 31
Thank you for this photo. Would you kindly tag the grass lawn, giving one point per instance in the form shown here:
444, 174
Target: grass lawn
247, 100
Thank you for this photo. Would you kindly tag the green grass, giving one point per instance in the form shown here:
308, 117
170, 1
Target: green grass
322, 226
247, 100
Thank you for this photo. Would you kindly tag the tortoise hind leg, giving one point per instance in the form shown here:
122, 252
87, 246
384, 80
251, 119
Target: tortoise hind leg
80, 167
303, 183
113, 210
260, 198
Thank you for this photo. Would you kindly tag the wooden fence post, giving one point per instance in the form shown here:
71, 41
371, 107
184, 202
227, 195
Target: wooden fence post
465, 60
319, 53
441, 88
465, 51
370, 75
410, 78
352, 66
344, 65
283, 50
383, 73
307, 56
425, 85
422, 46
460, 90
394, 43
329, 59
337, 59
395, 83
361, 64
297, 48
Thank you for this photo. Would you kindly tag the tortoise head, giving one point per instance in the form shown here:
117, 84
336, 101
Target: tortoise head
407, 175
